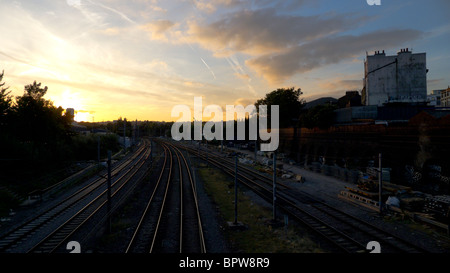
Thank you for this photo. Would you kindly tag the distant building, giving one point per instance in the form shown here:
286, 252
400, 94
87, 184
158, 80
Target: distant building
351, 98
356, 114
400, 78
79, 129
445, 97
434, 98
100, 131
71, 113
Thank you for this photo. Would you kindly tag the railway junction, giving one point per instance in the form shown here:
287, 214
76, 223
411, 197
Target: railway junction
153, 201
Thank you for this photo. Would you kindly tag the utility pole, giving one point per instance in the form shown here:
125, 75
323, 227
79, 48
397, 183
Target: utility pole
134, 133
109, 193
256, 150
98, 149
380, 184
274, 185
207, 162
151, 152
124, 134
138, 136
235, 189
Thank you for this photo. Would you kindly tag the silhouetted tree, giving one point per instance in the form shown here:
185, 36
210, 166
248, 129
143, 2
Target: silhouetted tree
36, 139
289, 101
5, 102
321, 116
37, 120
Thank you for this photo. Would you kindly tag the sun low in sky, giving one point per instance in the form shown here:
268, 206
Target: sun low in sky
139, 58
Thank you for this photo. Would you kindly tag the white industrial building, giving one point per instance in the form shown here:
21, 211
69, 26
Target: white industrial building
392, 79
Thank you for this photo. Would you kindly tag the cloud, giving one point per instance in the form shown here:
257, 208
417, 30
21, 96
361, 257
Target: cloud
432, 81
157, 29
242, 76
280, 45
340, 85
193, 84
276, 68
112, 31
263, 31
238, 69
210, 6
245, 101
117, 12
74, 3
316, 95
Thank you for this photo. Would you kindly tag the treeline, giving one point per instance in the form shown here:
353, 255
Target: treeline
33, 129
139, 128
35, 132
320, 116
293, 112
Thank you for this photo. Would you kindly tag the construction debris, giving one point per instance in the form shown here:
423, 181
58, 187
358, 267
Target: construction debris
439, 206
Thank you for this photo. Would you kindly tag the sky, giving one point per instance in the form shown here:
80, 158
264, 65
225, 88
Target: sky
137, 59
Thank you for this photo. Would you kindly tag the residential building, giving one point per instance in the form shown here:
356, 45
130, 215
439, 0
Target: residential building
434, 98
445, 97
351, 98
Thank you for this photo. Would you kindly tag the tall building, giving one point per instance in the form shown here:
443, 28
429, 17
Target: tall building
71, 113
398, 78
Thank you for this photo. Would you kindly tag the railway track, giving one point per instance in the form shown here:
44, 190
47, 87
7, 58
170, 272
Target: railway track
346, 232
177, 227
190, 214
67, 212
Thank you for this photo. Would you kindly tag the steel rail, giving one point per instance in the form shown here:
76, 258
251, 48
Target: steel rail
71, 225
202, 245
382, 235
149, 202
29, 226
155, 233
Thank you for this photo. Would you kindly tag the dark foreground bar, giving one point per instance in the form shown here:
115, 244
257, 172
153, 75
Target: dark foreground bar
218, 262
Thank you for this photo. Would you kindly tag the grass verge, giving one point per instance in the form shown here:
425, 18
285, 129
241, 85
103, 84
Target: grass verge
259, 237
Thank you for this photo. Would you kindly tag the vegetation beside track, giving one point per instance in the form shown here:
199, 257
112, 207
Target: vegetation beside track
259, 237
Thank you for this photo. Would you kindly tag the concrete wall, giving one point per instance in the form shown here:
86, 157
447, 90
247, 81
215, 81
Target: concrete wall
347, 115
404, 81
417, 144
